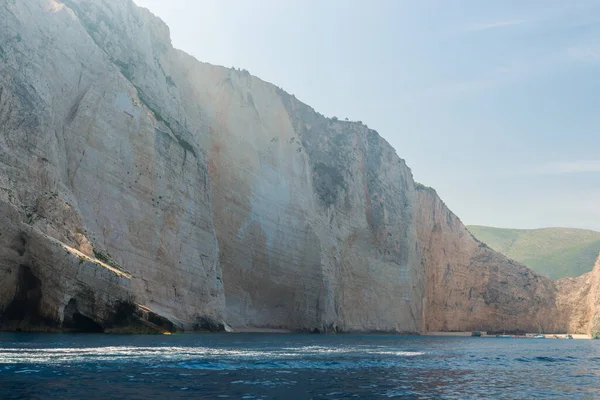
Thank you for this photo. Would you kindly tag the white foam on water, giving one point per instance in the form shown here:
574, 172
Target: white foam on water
212, 358
268, 383
399, 353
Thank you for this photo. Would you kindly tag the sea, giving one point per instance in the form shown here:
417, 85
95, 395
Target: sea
295, 366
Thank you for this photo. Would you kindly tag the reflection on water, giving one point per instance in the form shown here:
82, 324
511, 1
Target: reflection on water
262, 366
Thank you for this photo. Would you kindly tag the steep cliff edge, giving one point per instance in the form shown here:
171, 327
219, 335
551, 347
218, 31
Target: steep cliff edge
314, 217
472, 287
140, 187
86, 165
579, 298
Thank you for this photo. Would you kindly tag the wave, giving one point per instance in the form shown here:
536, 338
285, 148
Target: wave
212, 358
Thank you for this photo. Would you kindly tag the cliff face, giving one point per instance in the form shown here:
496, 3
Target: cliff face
472, 287
594, 301
141, 187
87, 166
110, 141
314, 217
579, 298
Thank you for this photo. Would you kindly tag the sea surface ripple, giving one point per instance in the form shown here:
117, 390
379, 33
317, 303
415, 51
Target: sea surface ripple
289, 366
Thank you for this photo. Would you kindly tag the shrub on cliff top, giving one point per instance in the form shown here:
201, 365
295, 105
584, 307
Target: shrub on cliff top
420, 186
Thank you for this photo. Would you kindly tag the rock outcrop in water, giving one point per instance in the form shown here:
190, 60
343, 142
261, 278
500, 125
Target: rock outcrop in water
141, 189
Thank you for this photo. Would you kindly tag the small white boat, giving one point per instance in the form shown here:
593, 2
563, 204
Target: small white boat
539, 336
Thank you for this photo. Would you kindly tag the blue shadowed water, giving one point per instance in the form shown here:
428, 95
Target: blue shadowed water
266, 366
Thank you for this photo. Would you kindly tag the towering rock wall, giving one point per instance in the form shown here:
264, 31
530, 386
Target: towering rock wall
314, 217
138, 182
86, 162
594, 301
579, 300
123, 134
472, 287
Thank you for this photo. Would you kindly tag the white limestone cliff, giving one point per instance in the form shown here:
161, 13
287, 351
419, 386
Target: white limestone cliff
85, 162
141, 187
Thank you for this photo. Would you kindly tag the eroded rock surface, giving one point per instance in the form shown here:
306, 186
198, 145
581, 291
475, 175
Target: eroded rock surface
88, 165
314, 217
472, 287
579, 299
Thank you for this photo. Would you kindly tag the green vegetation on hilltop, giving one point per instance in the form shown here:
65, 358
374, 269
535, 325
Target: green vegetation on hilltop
553, 252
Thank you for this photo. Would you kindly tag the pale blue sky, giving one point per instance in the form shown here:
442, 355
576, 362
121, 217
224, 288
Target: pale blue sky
496, 104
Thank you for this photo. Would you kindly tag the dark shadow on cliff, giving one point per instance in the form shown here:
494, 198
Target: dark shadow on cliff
74, 321
23, 312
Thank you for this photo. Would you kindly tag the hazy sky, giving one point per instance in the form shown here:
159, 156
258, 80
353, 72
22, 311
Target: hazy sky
496, 104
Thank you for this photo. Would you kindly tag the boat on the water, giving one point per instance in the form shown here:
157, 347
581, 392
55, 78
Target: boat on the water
539, 336
569, 336
476, 334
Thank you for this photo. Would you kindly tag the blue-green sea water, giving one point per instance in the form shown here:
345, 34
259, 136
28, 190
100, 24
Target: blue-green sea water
289, 366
